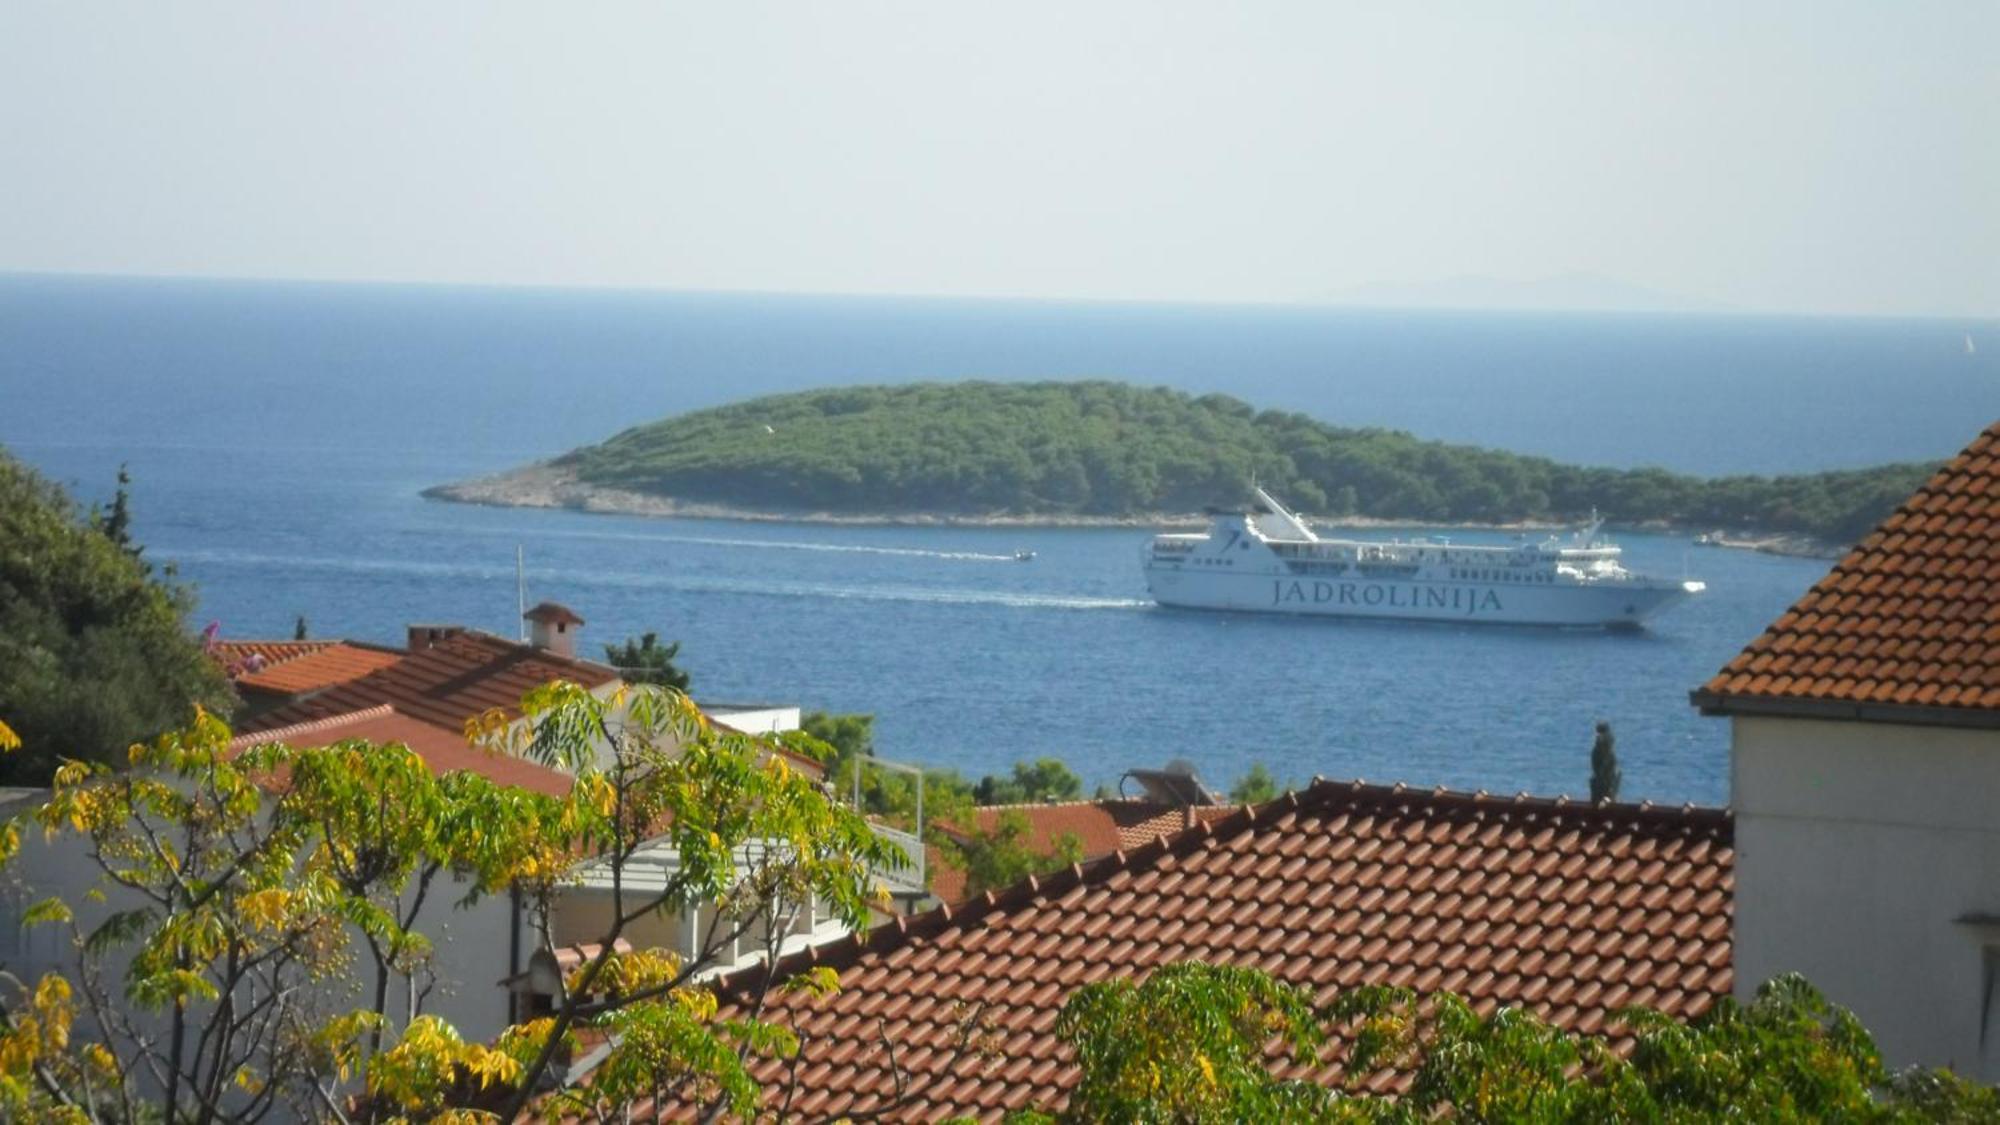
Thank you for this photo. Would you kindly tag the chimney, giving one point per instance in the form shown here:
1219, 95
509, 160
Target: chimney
422, 637
553, 629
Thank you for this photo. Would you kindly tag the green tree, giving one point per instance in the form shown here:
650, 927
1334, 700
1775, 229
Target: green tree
647, 661
94, 654
1006, 853
1605, 776
1196, 1043
1108, 449
1044, 779
1255, 786
241, 884
117, 523
1188, 1044
848, 736
235, 902
849, 741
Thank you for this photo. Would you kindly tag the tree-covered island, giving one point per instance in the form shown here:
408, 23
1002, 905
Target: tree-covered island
1105, 450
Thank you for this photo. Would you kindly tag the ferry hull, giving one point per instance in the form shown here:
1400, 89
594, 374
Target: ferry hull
1610, 605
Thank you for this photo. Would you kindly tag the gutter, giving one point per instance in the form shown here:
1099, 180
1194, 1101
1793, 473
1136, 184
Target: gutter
1969, 718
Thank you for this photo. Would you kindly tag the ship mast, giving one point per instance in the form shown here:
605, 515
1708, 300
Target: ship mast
1290, 523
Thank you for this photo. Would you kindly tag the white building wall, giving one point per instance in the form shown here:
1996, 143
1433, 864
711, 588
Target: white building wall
1860, 847
470, 958
753, 718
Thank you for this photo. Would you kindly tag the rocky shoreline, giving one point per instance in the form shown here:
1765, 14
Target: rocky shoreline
547, 485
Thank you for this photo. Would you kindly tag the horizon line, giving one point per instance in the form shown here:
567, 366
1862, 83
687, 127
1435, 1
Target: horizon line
1301, 305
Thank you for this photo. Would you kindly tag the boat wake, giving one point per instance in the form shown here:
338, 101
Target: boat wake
781, 545
905, 594
255, 560
668, 582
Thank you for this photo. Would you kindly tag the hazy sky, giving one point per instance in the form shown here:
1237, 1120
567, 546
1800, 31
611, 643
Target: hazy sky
1819, 156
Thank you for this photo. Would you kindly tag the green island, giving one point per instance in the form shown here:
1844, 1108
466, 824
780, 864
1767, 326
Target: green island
1105, 450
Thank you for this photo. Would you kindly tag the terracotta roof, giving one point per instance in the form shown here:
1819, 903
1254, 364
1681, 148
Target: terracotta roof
1100, 827
441, 749
1905, 628
457, 677
318, 669
553, 612
1572, 910
232, 654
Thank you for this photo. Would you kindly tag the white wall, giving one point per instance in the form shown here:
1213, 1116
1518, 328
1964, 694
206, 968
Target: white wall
1858, 846
753, 718
470, 960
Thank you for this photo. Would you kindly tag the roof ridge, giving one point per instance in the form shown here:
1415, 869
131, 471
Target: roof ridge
312, 726
528, 649
1320, 794
1080, 802
1642, 812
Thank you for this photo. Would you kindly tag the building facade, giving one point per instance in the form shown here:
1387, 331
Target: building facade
1865, 775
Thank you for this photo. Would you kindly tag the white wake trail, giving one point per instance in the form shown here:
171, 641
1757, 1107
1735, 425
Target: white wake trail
773, 545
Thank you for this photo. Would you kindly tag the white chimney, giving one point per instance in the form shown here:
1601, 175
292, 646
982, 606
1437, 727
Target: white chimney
553, 629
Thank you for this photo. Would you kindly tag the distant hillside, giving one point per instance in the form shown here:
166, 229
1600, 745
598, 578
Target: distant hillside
1108, 449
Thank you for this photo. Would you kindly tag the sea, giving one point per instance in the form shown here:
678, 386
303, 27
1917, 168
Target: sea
278, 435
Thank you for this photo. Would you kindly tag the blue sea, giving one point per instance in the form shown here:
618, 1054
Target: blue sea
279, 433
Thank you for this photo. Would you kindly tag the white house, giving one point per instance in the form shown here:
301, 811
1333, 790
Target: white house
1865, 774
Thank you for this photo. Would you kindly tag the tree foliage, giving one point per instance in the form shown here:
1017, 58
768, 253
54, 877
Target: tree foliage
1110, 449
1189, 1044
1005, 853
647, 661
1255, 786
990, 857
1605, 776
94, 653
1044, 779
1199, 1043
240, 891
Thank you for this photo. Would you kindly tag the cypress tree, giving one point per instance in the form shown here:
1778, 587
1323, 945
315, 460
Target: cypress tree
1604, 773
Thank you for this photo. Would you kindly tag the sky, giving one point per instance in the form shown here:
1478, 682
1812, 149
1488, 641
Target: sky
1819, 157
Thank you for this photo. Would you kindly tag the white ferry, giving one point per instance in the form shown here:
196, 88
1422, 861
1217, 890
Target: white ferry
1268, 560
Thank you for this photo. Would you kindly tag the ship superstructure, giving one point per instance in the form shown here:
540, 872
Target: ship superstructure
1268, 560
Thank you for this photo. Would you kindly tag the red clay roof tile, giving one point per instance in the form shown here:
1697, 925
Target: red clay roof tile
323, 667
1575, 946
1909, 628
441, 749
458, 677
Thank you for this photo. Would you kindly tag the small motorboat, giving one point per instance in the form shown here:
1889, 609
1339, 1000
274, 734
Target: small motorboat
1024, 556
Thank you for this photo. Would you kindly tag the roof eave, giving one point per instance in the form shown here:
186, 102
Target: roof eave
1968, 718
